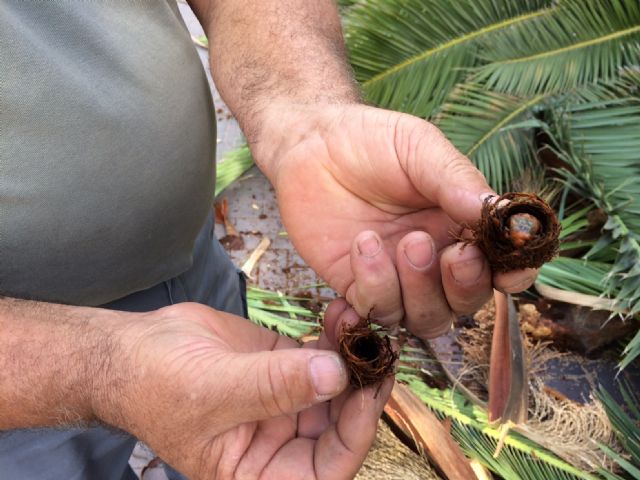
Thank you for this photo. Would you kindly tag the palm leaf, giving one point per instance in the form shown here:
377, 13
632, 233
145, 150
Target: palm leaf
280, 312
494, 130
581, 42
519, 459
606, 132
346, 3
232, 166
626, 425
409, 54
598, 136
576, 275
631, 351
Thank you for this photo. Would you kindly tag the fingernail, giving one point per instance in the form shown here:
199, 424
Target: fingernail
419, 252
369, 245
467, 272
489, 196
326, 374
521, 285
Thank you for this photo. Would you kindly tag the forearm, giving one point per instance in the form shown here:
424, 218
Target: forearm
54, 362
268, 52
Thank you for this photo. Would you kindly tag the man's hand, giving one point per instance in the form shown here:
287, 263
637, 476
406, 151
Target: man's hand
369, 197
219, 397
374, 200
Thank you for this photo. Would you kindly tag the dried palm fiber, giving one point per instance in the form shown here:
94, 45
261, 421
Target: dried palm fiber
390, 459
568, 429
516, 231
573, 429
369, 356
475, 344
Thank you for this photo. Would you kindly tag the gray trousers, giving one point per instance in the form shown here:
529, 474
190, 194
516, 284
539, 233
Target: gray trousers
101, 453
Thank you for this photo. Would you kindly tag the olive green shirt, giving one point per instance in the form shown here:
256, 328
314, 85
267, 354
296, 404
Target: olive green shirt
107, 148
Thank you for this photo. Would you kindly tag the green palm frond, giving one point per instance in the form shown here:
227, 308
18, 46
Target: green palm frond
346, 3
519, 459
280, 312
409, 54
618, 278
626, 424
607, 132
232, 166
581, 42
599, 139
631, 351
575, 275
494, 130
574, 224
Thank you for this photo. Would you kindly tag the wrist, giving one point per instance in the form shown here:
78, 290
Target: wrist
108, 391
55, 362
284, 124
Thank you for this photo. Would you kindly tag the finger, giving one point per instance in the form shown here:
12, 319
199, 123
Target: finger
427, 313
339, 315
330, 319
466, 278
340, 450
375, 291
515, 281
315, 420
270, 384
438, 170
267, 438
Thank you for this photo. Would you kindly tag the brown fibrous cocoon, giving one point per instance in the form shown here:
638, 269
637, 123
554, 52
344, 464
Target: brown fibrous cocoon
369, 356
516, 231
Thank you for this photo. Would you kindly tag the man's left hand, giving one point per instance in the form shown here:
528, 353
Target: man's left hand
375, 201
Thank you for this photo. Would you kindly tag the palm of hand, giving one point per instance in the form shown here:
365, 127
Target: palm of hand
343, 182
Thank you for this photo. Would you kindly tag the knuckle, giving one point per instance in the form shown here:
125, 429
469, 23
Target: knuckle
467, 304
275, 394
210, 463
411, 134
429, 327
388, 318
455, 163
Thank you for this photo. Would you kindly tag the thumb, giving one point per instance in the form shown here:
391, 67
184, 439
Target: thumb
274, 383
441, 172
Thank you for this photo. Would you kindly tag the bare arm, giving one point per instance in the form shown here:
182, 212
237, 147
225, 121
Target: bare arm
190, 382
266, 53
54, 360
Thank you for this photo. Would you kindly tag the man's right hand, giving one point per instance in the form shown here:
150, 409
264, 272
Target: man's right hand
219, 397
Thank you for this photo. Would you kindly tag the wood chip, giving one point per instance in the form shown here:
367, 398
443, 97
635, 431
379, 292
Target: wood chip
255, 256
417, 422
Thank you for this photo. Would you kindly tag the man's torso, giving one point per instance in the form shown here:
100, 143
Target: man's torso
107, 145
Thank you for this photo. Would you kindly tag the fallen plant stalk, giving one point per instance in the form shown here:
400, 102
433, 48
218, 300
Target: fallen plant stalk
431, 437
